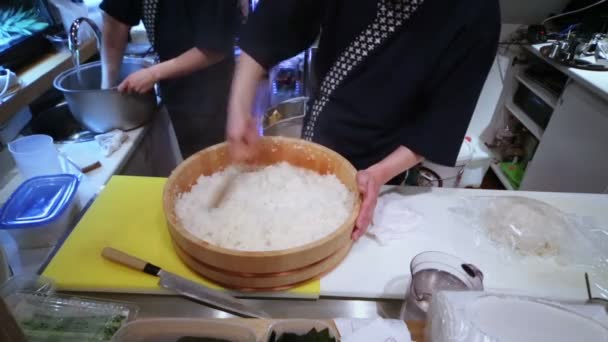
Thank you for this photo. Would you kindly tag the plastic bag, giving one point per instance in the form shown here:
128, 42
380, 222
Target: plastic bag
394, 219
531, 228
492, 317
526, 226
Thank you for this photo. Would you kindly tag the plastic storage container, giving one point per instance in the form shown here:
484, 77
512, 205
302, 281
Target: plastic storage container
299, 327
479, 316
40, 210
35, 155
448, 176
30, 283
68, 319
172, 329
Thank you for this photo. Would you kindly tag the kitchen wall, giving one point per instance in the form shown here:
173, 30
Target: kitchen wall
530, 11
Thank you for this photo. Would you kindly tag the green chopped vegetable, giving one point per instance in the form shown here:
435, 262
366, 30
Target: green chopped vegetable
41, 327
312, 336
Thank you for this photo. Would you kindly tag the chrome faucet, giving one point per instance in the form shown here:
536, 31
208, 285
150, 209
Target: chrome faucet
73, 42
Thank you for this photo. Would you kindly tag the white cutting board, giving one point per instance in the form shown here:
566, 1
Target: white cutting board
375, 271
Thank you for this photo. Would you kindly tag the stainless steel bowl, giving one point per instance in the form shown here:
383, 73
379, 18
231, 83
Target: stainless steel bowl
102, 110
286, 118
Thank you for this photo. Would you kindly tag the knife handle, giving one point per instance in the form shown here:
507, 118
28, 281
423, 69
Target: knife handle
129, 261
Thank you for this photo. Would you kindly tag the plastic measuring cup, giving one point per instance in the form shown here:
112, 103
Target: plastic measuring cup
35, 155
433, 272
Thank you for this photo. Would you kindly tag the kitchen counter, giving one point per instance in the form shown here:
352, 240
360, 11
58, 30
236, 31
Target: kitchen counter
90, 185
151, 306
93, 182
596, 81
372, 280
372, 270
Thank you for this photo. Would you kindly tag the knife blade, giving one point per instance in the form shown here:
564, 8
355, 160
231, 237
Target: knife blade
183, 286
197, 292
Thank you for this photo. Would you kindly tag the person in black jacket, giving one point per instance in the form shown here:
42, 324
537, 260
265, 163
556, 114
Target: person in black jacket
194, 41
399, 79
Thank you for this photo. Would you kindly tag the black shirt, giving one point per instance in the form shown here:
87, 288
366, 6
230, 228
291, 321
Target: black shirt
417, 88
180, 26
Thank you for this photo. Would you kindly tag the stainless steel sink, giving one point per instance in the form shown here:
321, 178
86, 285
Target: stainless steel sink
102, 110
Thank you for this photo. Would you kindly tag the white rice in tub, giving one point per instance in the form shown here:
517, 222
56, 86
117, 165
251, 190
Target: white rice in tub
277, 207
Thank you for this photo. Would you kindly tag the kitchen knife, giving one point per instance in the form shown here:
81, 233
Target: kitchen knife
184, 286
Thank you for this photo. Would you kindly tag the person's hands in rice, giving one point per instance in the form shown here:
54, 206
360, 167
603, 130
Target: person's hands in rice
241, 131
242, 136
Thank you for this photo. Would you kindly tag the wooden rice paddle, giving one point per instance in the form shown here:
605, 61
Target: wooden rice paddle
225, 187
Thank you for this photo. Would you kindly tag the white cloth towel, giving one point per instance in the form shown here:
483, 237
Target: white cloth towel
111, 141
371, 330
393, 219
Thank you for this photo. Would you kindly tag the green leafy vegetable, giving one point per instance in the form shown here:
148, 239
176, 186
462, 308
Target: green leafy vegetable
311, 336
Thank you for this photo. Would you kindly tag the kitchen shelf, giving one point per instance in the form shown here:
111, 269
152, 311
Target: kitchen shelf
38, 78
537, 89
501, 176
532, 126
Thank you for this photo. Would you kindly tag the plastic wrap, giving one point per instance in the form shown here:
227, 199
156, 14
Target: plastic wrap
526, 227
483, 317
66, 319
394, 219
32, 284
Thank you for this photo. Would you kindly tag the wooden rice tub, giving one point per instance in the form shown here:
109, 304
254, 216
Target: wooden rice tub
261, 271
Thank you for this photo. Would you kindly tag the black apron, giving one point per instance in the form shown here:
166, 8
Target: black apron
197, 105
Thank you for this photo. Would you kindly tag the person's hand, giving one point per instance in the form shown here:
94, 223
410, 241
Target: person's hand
242, 136
369, 188
140, 81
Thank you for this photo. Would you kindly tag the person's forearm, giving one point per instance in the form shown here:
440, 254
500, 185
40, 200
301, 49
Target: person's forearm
186, 63
401, 160
244, 84
114, 40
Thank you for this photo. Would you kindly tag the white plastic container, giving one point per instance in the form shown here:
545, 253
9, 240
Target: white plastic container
478, 316
171, 329
477, 168
448, 176
471, 166
39, 212
299, 327
35, 155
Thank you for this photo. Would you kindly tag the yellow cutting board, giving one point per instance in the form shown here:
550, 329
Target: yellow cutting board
128, 216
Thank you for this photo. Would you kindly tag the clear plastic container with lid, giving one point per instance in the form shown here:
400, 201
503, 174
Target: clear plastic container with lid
39, 212
68, 319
